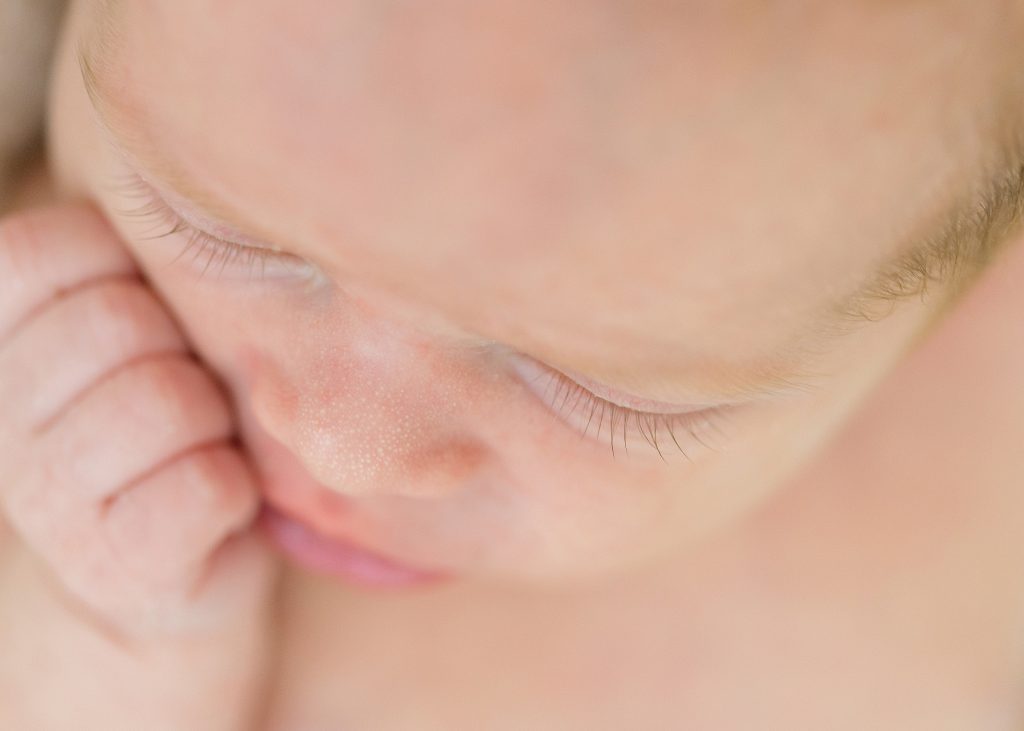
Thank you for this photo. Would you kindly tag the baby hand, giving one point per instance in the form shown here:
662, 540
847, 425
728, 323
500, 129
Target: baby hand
116, 461
138, 595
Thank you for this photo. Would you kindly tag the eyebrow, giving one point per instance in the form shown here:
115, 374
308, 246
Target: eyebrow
935, 261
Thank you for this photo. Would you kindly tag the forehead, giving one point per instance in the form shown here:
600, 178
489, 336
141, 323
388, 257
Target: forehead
687, 180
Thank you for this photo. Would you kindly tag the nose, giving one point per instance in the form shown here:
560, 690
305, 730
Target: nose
374, 413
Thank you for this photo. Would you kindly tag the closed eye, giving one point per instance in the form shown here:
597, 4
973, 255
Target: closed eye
204, 252
655, 432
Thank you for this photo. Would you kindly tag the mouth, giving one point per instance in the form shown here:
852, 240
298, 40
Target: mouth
311, 526
341, 559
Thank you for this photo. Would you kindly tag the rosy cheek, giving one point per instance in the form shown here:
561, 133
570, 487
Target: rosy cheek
363, 426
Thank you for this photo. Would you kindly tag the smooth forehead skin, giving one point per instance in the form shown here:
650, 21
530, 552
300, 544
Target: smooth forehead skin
628, 189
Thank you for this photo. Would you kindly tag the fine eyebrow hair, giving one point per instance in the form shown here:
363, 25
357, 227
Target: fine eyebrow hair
942, 260
965, 239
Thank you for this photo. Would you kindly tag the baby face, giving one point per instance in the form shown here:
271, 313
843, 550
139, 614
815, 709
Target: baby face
528, 291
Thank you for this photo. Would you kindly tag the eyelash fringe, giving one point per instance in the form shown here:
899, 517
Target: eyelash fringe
208, 253
213, 253
648, 424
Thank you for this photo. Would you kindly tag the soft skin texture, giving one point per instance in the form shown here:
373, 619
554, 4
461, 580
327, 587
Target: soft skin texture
679, 195
592, 203
138, 592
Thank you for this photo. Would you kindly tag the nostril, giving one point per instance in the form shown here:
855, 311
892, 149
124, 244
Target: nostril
332, 504
442, 468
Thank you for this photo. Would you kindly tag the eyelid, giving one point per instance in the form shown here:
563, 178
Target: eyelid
532, 369
198, 220
136, 181
210, 251
635, 402
696, 427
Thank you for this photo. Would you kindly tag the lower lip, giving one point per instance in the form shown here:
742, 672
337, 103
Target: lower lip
339, 559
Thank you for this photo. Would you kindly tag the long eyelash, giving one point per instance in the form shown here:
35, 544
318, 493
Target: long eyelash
651, 426
208, 252
217, 253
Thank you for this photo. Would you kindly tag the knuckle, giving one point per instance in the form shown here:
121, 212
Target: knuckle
31, 513
48, 525
180, 389
49, 250
128, 308
120, 299
221, 480
21, 244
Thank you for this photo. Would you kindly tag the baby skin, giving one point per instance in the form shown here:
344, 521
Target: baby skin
141, 588
441, 257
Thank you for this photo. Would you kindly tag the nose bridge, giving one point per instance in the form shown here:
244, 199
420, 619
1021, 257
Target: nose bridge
374, 411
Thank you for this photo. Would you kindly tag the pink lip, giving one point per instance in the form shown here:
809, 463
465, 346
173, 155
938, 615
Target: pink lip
340, 559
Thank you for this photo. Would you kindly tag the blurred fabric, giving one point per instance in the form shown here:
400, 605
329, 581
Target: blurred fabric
27, 31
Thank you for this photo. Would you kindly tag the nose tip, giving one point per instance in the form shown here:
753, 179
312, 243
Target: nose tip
430, 472
359, 442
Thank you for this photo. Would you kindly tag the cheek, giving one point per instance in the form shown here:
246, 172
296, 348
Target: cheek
366, 414
484, 482
431, 445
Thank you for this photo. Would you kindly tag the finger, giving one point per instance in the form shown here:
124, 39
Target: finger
73, 342
241, 569
166, 524
47, 251
128, 426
